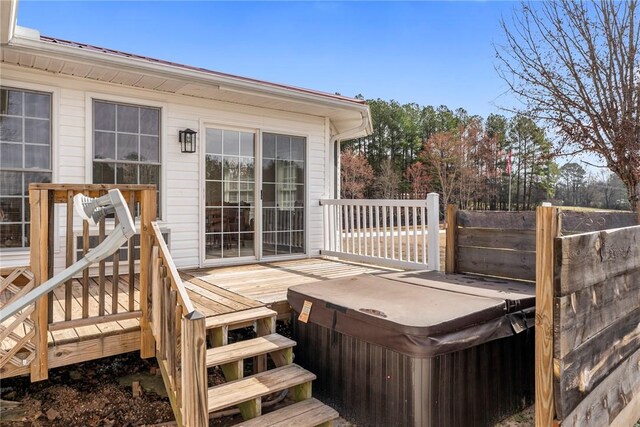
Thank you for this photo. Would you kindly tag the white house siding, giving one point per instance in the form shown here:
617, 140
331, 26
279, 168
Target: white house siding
182, 187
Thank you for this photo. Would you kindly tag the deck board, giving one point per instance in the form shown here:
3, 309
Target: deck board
267, 283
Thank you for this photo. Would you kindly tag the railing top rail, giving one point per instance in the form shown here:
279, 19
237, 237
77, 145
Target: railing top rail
91, 187
173, 271
374, 202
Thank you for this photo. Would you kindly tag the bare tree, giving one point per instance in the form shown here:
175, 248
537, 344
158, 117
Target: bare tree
576, 65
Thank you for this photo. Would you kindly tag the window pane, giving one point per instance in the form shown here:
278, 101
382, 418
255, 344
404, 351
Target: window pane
214, 193
11, 155
150, 174
214, 167
283, 147
269, 145
127, 147
298, 171
11, 236
127, 118
297, 242
149, 149
36, 156
246, 168
37, 105
11, 209
11, 129
269, 170
299, 195
246, 144
103, 173
36, 131
269, 195
104, 145
104, 117
231, 143
126, 174
150, 121
10, 102
10, 183
214, 141
213, 221
230, 169
297, 148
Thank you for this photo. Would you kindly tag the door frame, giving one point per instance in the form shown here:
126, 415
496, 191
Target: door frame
204, 262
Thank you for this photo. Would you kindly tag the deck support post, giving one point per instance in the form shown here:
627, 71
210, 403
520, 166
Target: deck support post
195, 411
452, 239
148, 209
547, 229
39, 260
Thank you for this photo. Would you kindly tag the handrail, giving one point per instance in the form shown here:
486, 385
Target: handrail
163, 251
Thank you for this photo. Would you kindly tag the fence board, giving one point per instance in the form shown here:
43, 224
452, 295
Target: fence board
585, 367
520, 240
587, 259
493, 219
497, 262
583, 222
582, 314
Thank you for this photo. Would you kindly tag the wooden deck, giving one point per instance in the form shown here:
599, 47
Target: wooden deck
267, 283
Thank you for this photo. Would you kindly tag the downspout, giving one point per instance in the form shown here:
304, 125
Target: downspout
335, 143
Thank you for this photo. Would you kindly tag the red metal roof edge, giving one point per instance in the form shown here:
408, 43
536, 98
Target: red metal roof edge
193, 68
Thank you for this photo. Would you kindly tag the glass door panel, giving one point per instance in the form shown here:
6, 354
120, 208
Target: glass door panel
229, 194
283, 194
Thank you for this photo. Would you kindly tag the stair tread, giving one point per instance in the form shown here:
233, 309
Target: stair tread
310, 412
249, 348
262, 384
236, 317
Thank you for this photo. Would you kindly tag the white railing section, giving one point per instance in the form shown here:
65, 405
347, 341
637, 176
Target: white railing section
396, 233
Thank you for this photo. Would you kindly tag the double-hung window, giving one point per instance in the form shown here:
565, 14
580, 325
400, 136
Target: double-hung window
25, 157
126, 144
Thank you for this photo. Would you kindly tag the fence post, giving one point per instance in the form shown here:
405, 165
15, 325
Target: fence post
433, 231
39, 260
452, 239
194, 371
148, 209
547, 229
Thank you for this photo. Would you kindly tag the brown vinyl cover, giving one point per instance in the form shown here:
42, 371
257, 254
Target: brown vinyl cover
420, 314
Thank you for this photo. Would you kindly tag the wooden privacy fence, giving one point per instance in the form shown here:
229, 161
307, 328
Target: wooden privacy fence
587, 318
396, 233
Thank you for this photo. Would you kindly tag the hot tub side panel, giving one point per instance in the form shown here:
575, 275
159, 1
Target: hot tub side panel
374, 386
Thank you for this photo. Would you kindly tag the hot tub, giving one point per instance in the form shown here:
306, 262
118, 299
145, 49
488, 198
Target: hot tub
418, 349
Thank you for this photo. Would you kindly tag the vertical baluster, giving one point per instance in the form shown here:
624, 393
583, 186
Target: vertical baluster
326, 227
423, 226
378, 231
68, 287
399, 227
371, 207
340, 227
392, 232
407, 232
345, 226
358, 237
85, 272
101, 270
115, 279
131, 260
353, 237
173, 300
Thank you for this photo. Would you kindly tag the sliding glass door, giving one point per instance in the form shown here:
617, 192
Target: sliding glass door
283, 194
230, 194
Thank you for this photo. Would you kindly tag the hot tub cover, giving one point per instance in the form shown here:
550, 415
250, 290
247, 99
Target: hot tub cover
420, 314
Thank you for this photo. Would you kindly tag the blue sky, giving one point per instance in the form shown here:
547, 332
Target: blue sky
426, 52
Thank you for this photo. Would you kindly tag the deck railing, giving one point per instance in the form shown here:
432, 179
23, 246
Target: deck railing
179, 332
395, 233
80, 307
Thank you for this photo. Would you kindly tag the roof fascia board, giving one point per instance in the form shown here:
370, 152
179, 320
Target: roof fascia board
167, 71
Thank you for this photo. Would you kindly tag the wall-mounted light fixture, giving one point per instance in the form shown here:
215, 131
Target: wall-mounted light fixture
187, 140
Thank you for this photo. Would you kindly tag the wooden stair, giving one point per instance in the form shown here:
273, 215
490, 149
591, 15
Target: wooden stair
247, 392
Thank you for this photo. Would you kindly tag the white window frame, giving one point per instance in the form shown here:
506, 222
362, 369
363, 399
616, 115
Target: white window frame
20, 256
90, 97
